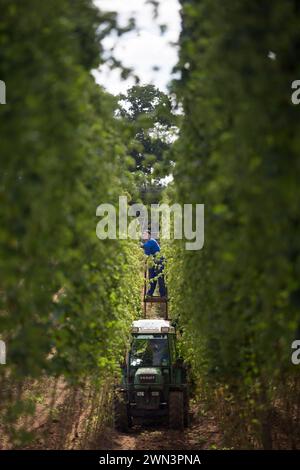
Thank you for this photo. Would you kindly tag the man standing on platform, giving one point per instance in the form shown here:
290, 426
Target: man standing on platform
152, 248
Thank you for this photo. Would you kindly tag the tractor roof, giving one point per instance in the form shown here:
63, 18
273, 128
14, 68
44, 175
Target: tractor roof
152, 326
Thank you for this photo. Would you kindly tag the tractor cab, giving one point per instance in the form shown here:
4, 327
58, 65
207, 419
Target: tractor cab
150, 350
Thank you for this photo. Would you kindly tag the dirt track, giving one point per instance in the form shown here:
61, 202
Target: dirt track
75, 418
201, 434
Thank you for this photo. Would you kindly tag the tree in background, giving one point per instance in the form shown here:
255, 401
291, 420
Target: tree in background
149, 113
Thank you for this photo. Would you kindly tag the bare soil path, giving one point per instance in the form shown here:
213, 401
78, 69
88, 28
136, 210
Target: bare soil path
202, 433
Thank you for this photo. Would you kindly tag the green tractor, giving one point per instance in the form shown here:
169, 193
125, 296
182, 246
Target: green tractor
154, 378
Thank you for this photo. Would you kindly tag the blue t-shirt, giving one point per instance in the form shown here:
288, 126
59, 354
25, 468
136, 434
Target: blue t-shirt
151, 247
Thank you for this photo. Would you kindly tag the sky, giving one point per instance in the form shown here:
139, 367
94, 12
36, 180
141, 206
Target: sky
143, 49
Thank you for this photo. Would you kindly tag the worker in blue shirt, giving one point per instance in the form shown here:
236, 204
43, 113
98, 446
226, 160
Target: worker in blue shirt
152, 248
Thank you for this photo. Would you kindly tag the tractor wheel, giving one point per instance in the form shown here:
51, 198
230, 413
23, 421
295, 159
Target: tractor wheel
122, 421
176, 410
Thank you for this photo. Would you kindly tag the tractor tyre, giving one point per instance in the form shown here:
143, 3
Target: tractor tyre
176, 410
122, 420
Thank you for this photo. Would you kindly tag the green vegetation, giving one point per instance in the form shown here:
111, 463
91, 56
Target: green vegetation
67, 298
238, 153
148, 113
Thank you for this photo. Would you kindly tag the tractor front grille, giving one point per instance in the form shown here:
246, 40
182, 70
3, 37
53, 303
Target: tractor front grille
147, 399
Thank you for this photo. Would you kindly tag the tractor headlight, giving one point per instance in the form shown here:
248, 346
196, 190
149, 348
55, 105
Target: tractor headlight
140, 394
